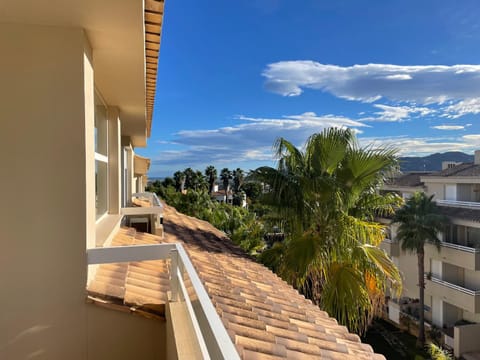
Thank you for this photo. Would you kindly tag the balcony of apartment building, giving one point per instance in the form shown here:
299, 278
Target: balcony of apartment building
144, 212
460, 246
462, 195
455, 285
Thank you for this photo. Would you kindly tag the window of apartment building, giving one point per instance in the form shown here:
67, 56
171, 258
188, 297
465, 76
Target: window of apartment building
101, 157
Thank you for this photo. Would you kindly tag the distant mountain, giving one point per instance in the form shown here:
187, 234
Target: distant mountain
432, 162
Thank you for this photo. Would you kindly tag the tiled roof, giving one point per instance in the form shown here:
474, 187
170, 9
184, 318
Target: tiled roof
264, 316
465, 169
409, 179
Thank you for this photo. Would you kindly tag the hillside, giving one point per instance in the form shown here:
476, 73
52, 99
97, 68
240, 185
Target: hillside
432, 162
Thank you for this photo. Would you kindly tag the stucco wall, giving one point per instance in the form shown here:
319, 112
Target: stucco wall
472, 279
43, 213
466, 339
436, 189
407, 264
122, 336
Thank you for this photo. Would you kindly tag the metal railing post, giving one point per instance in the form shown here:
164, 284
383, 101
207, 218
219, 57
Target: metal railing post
174, 286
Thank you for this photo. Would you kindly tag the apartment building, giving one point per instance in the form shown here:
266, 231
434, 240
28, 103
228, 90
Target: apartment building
452, 290
78, 280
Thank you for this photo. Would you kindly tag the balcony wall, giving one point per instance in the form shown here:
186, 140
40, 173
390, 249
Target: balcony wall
456, 295
462, 256
466, 339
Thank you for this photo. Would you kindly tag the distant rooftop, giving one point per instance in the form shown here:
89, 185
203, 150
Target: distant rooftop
410, 179
464, 169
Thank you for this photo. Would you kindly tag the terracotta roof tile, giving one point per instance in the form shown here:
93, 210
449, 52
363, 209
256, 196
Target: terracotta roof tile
265, 317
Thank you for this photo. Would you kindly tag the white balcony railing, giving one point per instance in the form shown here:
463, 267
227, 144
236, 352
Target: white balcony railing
455, 287
155, 207
456, 203
460, 247
212, 337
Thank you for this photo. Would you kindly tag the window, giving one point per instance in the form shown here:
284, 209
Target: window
101, 157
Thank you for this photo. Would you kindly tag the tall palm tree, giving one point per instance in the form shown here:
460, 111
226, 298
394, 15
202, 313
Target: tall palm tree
420, 222
327, 194
225, 176
179, 178
238, 178
211, 175
190, 178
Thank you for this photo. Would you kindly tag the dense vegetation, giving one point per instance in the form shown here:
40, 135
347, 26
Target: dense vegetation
190, 193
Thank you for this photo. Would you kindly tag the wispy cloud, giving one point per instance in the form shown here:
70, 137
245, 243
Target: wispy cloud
448, 127
463, 107
250, 139
411, 146
390, 113
459, 85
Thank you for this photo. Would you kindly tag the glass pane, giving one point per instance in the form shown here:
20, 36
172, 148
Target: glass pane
101, 180
101, 127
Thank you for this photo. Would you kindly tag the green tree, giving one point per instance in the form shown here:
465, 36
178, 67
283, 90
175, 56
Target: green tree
253, 190
238, 179
419, 223
211, 175
327, 196
168, 181
179, 178
190, 178
225, 176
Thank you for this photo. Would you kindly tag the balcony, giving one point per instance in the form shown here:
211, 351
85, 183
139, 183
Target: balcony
459, 296
391, 247
144, 213
458, 203
198, 330
459, 255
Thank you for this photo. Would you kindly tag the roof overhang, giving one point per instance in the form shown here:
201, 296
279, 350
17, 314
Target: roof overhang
140, 165
125, 40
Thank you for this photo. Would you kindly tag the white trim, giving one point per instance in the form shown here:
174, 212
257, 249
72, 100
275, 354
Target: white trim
116, 254
224, 345
193, 318
141, 210
101, 157
457, 203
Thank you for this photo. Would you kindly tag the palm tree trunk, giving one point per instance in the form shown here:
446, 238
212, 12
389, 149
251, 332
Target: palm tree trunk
421, 284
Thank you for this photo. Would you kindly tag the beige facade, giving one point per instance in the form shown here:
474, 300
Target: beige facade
452, 290
55, 61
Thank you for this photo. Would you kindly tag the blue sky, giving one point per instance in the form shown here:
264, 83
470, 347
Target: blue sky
235, 75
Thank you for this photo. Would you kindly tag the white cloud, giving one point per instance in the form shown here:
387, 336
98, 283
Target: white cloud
408, 146
398, 113
463, 107
428, 84
249, 140
448, 127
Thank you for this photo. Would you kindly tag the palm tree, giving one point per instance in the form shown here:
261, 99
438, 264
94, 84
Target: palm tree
225, 176
420, 222
238, 178
327, 195
211, 175
189, 178
179, 177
